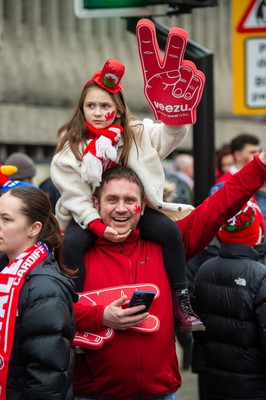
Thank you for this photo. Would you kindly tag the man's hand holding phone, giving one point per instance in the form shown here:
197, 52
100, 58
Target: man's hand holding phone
141, 297
117, 317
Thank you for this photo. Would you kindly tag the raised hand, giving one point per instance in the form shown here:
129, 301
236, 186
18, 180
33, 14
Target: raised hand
172, 86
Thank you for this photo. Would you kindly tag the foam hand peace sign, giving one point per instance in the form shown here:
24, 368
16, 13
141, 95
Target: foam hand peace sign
172, 86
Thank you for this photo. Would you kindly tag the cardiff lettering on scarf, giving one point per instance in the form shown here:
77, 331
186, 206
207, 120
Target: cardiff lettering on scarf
11, 281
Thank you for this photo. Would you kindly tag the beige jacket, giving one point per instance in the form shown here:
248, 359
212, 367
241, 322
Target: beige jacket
155, 143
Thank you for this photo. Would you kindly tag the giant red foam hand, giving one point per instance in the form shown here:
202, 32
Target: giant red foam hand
96, 340
172, 86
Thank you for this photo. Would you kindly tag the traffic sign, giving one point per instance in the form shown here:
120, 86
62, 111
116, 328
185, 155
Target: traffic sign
254, 19
111, 8
255, 76
249, 56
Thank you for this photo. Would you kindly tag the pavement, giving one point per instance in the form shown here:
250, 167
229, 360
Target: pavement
189, 389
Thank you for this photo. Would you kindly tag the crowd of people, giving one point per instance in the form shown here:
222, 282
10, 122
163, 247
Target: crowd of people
74, 248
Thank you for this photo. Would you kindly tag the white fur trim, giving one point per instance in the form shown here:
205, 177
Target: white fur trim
91, 170
105, 149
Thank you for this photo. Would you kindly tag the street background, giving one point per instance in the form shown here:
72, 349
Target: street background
188, 389
47, 54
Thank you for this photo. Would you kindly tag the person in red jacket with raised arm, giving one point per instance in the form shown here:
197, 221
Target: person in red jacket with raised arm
139, 359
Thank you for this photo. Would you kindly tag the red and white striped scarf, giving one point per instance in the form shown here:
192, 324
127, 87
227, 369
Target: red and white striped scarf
12, 278
101, 149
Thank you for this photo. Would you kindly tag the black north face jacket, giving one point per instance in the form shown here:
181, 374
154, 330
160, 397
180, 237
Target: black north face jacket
230, 298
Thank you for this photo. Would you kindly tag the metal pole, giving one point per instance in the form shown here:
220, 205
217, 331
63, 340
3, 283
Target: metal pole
204, 129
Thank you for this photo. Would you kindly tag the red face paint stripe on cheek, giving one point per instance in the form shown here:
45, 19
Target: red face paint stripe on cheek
137, 209
109, 116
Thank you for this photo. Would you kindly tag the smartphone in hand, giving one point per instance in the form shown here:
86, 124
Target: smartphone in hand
140, 297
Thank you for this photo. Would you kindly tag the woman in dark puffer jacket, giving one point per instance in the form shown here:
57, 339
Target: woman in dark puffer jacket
37, 323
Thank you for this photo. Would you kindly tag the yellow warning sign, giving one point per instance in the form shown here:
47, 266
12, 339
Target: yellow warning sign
249, 56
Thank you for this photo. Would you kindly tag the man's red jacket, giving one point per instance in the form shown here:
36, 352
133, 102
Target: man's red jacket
133, 364
202, 224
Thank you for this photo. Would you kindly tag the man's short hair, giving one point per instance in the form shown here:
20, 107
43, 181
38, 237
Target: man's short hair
120, 172
240, 141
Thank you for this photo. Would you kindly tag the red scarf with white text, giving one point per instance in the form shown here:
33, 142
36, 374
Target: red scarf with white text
12, 279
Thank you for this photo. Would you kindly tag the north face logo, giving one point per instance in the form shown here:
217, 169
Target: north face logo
240, 281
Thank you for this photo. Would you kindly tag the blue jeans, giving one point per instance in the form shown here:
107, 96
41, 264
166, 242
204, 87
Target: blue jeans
172, 396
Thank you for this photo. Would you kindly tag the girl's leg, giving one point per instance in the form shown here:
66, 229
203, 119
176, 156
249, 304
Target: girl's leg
76, 242
157, 227
161, 229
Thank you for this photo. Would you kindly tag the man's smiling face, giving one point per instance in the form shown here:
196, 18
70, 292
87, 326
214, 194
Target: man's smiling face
120, 205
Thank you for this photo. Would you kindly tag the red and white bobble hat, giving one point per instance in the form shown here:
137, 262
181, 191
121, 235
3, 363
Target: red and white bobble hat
244, 227
109, 78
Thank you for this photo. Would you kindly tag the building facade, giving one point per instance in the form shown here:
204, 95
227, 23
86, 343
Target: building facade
47, 54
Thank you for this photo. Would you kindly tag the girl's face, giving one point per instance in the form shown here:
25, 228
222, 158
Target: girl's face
99, 108
16, 233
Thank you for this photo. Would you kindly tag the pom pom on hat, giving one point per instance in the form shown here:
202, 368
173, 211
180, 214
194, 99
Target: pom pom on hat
243, 228
109, 78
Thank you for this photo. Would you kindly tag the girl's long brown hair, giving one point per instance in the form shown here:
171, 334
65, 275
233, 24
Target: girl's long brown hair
77, 131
